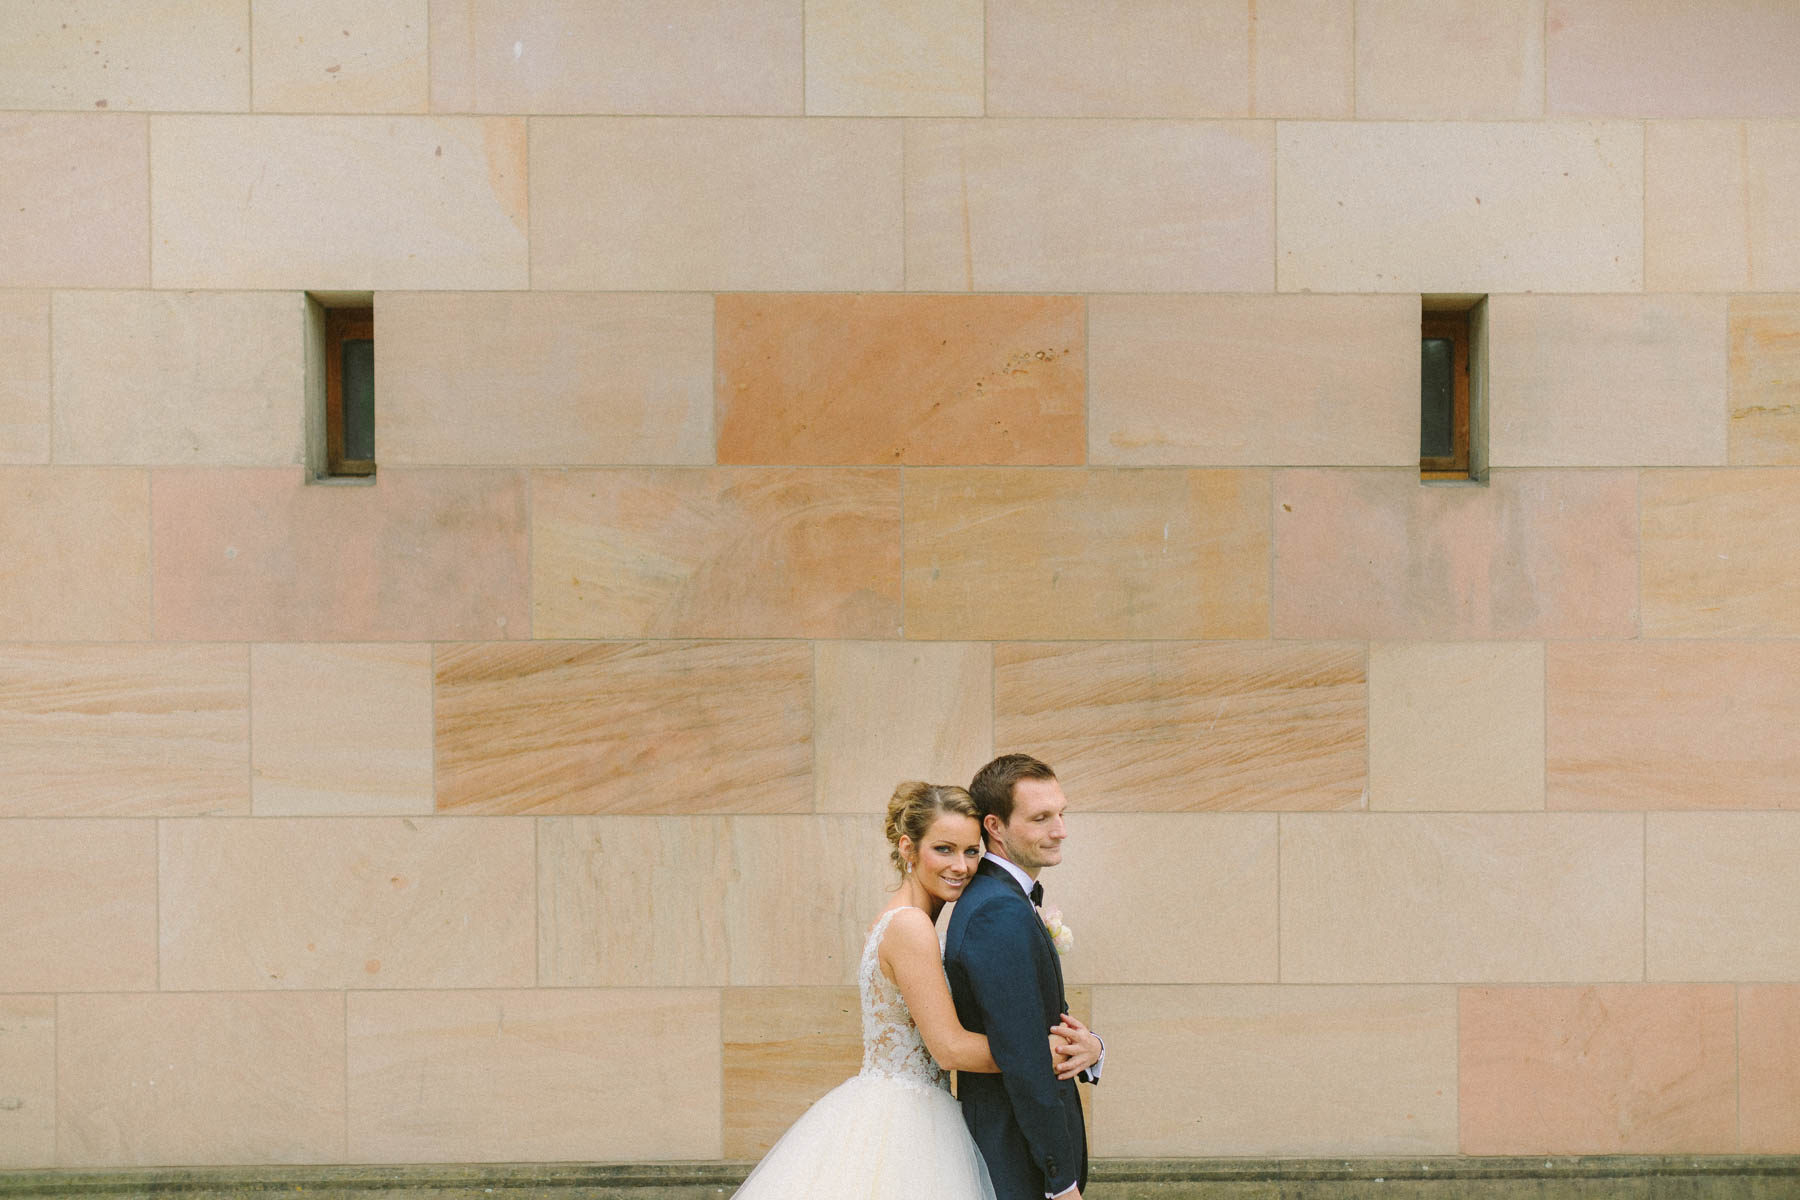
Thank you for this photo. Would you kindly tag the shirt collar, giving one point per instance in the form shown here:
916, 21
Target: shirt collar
1012, 868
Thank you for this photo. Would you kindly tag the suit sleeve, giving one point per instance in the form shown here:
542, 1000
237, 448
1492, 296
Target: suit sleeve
1002, 977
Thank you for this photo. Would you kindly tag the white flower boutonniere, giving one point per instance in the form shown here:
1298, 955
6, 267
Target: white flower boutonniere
1061, 936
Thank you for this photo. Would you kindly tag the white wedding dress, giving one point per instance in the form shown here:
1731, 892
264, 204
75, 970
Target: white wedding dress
893, 1131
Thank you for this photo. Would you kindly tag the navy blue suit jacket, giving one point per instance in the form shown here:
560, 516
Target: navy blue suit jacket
1007, 984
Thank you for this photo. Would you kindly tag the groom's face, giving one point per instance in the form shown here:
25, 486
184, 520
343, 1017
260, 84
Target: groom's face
1033, 838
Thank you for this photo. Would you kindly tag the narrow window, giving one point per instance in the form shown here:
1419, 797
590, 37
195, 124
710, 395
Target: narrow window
349, 392
1453, 389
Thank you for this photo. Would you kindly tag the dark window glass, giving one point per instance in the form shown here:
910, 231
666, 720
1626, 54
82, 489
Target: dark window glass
359, 399
1437, 398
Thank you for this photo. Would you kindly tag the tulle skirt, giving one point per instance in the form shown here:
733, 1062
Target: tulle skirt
874, 1138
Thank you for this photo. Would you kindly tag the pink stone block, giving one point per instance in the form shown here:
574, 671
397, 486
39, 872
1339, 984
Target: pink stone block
259, 555
1673, 58
1626, 1069
77, 554
1769, 1069
1375, 554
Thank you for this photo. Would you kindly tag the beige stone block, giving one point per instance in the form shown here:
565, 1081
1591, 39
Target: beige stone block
1606, 381
1086, 554
1679, 58
728, 552
147, 378
187, 55
74, 200
341, 729
708, 901
1658, 725
28, 1095
1717, 558
1302, 58
1465, 60
1178, 725
1422, 206
1774, 205
868, 59
78, 554
647, 727
885, 712
1276, 1071
1456, 726
784, 1048
1118, 58
633, 901
346, 903
1768, 1035
716, 204
80, 904
699, 57
259, 555
1719, 205
173, 1080
1189, 380
123, 731
1152, 206
1133, 888
1764, 428
1461, 898
779, 937
534, 1076
1598, 1070
1535, 554
1696, 209
611, 379
24, 377
902, 380
346, 203
1720, 896
341, 56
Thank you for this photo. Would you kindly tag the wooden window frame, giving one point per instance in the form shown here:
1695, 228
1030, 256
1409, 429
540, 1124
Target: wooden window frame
341, 325
1454, 328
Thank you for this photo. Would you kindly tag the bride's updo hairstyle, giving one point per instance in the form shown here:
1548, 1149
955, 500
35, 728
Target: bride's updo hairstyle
915, 806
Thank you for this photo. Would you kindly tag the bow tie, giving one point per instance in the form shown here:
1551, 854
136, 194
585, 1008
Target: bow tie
1037, 893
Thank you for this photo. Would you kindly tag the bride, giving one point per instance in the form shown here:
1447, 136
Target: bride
893, 1131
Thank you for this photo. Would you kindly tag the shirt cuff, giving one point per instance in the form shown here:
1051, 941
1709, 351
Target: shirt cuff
1064, 1192
1092, 1074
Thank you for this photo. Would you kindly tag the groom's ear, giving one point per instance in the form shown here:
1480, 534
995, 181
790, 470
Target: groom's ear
992, 827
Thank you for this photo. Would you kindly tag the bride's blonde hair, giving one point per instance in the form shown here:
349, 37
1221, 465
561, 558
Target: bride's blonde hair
915, 806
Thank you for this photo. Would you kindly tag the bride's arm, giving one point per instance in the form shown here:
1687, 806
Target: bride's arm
909, 953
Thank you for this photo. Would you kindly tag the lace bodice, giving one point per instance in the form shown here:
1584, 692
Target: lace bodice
892, 1048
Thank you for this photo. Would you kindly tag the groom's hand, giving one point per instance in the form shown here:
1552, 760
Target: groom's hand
1073, 1048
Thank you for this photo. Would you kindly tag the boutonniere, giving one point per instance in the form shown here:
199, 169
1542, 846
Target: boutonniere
1061, 936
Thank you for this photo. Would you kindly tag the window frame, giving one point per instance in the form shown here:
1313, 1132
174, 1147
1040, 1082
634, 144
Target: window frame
341, 325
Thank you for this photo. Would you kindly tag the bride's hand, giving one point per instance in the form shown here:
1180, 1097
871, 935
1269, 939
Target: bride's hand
1078, 1050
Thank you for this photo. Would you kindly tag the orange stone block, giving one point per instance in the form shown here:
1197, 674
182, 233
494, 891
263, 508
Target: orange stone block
1765, 381
1374, 554
1641, 725
646, 727
919, 380
1718, 555
783, 1049
1177, 726
715, 553
259, 555
1625, 1069
1769, 1069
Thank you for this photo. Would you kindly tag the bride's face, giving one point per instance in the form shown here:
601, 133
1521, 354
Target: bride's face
944, 860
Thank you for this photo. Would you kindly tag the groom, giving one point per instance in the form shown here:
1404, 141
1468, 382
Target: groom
1006, 983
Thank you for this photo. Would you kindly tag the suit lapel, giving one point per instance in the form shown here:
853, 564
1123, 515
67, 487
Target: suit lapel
1001, 875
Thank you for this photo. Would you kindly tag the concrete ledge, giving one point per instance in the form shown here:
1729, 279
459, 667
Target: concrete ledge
1611, 1177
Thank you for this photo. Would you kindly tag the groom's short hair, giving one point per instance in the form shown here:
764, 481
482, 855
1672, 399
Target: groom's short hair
992, 787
